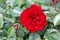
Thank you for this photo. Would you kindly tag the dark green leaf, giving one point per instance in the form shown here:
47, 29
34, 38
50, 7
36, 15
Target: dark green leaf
20, 33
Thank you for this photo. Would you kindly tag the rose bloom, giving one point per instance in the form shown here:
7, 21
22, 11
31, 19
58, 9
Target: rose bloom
33, 18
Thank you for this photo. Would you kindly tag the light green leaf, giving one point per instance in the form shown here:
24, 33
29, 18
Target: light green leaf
1, 10
56, 20
16, 12
52, 10
1, 21
34, 36
52, 34
45, 7
14, 38
11, 32
20, 38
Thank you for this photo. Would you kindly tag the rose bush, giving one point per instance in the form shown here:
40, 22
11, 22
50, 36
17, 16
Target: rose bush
33, 18
29, 20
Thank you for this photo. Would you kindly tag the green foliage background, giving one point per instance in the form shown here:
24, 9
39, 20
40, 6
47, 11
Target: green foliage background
10, 11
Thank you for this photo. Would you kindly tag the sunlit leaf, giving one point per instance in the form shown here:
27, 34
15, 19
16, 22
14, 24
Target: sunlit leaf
56, 20
10, 2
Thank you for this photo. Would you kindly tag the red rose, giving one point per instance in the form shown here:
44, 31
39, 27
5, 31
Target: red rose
33, 18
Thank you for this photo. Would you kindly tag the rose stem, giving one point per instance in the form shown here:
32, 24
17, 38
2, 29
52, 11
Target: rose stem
16, 35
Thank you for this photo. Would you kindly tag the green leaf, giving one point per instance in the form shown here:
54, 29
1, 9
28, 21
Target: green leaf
20, 38
16, 12
24, 29
10, 2
1, 38
9, 11
1, 21
4, 33
7, 24
14, 38
58, 5
9, 19
3, 1
19, 2
1, 10
2, 4
52, 34
56, 20
44, 1
34, 36
52, 10
28, 3
11, 32
20, 33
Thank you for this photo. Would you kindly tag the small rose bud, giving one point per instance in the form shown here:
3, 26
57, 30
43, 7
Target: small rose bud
16, 26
